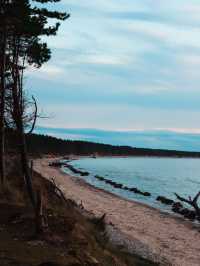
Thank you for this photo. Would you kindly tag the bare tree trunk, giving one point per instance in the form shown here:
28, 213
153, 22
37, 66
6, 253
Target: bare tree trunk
41, 222
18, 118
192, 202
35, 198
2, 109
18, 113
2, 134
25, 163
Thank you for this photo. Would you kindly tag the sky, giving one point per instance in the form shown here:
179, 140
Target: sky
123, 65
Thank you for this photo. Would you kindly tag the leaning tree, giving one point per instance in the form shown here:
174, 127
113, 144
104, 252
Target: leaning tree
25, 23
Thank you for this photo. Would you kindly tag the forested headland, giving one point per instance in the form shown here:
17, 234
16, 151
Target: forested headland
48, 145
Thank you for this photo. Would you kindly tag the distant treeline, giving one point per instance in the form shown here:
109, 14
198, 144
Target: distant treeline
42, 144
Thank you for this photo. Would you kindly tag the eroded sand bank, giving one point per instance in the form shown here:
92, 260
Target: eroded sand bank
142, 229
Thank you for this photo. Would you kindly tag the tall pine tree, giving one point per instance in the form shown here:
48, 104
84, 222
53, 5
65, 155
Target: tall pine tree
23, 25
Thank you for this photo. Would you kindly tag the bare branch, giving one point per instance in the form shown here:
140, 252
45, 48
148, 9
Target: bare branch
59, 191
191, 202
183, 199
35, 115
196, 197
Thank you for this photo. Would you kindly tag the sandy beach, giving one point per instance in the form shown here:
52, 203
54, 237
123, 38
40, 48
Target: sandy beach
142, 229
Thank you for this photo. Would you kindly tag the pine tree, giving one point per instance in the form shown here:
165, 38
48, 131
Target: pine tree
24, 25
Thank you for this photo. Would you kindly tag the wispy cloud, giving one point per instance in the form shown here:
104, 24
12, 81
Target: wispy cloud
140, 58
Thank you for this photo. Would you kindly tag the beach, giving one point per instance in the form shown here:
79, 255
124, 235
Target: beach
141, 229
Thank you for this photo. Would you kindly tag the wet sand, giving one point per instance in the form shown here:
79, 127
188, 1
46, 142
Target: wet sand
141, 229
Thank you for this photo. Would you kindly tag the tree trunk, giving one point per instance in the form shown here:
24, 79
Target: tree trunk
25, 163
18, 118
41, 222
2, 134
2, 110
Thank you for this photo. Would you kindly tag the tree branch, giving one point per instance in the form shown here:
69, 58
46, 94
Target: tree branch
35, 116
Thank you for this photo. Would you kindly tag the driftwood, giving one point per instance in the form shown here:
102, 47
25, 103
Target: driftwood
41, 219
58, 191
61, 196
35, 115
100, 222
41, 222
192, 202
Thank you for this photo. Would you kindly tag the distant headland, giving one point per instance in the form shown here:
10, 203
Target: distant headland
44, 144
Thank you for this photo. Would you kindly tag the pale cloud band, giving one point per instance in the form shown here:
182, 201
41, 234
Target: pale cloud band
129, 55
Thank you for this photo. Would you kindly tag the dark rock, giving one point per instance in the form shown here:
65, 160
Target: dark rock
146, 194
191, 215
133, 189
165, 200
112, 183
100, 178
176, 207
75, 171
84, 173
56, 164
187, 213
183, 211
118, 185
137, 191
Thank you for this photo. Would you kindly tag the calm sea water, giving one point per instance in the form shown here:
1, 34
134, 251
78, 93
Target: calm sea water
159, 176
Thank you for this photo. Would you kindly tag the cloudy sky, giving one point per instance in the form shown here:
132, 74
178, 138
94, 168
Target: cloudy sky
123, 65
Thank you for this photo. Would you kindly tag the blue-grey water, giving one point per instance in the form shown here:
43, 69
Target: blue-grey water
159, 176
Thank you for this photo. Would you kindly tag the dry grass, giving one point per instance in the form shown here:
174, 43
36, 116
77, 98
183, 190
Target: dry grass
72, 239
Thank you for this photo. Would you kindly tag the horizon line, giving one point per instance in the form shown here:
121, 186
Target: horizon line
195, 131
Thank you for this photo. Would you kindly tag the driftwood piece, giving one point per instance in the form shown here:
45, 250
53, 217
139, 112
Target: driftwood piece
41, 220
60, 194
192, 202
35, 115
100, 222
58, 191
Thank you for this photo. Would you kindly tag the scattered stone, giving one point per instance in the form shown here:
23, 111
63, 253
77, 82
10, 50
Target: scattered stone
56, 164
133, 189
176, 207
165, 200
84, 174
146, 194
76, 171
121, 186
118, 186
191, 215
99, 177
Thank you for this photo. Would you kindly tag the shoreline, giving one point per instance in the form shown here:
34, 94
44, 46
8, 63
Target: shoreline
85, 184
139, 228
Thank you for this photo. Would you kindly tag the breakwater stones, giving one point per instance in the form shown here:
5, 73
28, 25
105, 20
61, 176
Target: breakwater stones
165, 200
121, 186
76, 171
56, 164
70, 167
100, 178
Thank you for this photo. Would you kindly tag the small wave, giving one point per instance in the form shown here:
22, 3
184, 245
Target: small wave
194, 181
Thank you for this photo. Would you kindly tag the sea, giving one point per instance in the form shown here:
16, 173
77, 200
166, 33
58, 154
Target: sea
159, 176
